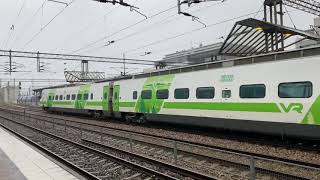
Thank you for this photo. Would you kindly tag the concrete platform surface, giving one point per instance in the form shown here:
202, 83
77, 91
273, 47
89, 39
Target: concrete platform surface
18, 161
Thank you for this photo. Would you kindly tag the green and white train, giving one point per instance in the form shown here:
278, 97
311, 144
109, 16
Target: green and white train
275, 94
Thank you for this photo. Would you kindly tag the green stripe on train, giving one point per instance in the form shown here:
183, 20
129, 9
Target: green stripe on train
128, 104
83, 89
71, 103
247, 107
313, 115
155, 83
94, 103
63, 103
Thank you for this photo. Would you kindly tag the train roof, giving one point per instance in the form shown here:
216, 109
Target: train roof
56, 87
275, 56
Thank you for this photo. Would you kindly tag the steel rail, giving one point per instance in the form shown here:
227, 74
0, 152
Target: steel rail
239, 152
203, 177
189, 173
183, 171
269, 158
52, 155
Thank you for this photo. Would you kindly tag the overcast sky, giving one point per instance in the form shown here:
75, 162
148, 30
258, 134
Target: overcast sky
87, 21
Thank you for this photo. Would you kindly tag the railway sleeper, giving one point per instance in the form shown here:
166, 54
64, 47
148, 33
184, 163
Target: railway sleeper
108, 164
133, 176
114, 168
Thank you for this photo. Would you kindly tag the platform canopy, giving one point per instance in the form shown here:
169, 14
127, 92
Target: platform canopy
252, 37
80, 76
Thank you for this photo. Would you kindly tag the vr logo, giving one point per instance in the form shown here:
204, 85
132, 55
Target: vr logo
298, 107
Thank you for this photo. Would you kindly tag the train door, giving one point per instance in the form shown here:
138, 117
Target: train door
49, 100
105, 98
115, 99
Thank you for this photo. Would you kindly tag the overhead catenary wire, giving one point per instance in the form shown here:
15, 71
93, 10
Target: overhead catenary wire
121, 30
161, 22
45, 26
28, 24
290, 16
262, 5
31, 79
12, 28
192, 31
188, 32
89, 25
69, 57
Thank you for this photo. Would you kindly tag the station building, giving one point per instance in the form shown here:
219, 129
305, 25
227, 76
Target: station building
201, 54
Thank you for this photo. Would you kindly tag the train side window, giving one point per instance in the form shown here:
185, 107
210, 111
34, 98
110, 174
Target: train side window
73, 97
115, 95
91, 96
163, 94
226, 93
253, 91
105, 96
181, 93
68, 97
86, 96
49, 98
295, 90
79, 97
146, 94
135, 95
61, 97
57, 97
205, 93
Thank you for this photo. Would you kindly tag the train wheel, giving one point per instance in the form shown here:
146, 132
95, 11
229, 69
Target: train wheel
142, 119
97, 114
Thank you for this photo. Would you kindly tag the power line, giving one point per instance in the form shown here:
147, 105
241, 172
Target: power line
260, 9
12, 28
28, 23
123, 29
189, 32
189, 3
290, 17
45, 26
33, 80
68, 57
86, 27
163, 21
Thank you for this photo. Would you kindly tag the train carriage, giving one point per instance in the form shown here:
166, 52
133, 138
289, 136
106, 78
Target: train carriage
267, 96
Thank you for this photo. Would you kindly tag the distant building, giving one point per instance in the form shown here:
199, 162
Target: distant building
9, 94
314, 29
201, 54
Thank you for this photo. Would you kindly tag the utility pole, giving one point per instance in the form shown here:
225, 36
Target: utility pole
10, 62
38, 62
124, 64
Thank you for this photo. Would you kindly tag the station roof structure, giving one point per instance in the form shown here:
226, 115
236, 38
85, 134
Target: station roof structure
80, 76
252, 37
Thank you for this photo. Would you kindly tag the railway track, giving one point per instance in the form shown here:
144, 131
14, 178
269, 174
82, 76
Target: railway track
96, 164
215, 162
100, 124
289, 143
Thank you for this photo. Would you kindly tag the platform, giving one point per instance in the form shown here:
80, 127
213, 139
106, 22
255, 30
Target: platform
19, 161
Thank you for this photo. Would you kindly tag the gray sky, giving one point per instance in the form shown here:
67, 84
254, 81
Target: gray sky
86, 21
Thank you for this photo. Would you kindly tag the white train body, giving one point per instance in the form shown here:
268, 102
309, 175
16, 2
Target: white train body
274, 97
